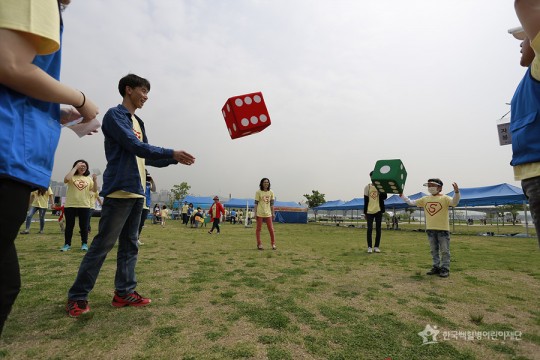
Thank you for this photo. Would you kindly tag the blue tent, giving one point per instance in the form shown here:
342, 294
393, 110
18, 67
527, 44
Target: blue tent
239, 203
329, 205
290, 212
199, 201
395, 202
354, 204
502, 194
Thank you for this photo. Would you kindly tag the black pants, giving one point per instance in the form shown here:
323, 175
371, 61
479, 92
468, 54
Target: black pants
14, 197
215, 225
144, 215
70, 214
378, 221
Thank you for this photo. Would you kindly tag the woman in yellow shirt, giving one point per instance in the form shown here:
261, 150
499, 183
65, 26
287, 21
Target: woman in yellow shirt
264, 211
79, 187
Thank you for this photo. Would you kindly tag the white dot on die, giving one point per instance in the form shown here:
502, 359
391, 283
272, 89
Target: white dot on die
228, 108
377, 182
263, 118
247, 100
401, 176
393, 187
244, 122
230, 132
401, 166
234, 127
385, 169
238, 102
391, 183
224, 115
257, 98
254, 120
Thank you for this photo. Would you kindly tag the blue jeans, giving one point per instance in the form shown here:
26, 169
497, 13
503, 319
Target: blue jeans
531, 188
119, 220
439, 241
31, 213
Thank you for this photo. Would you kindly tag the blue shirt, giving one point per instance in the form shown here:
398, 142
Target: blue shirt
525, 121
121, 148
30, 130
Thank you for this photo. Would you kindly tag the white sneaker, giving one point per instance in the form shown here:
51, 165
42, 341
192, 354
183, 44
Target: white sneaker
139, 242
376, 250
369, 250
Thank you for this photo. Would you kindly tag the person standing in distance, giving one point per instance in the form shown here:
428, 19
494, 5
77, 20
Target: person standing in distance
216, 211
373, 210
436, 207
30, 98
264, 211
127, 152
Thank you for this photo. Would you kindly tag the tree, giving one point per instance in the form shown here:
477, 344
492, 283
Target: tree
314, 200
179, 192
410, 211
513, 210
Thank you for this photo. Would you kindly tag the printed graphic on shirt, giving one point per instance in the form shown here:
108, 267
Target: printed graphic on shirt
433, 207
374, 194
266, 199
80, 184
138, 134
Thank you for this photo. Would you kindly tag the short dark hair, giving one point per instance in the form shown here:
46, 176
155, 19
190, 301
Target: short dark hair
132, 81
261, 183
87, 172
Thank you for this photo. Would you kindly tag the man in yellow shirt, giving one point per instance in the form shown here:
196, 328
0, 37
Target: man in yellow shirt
39, 202
437, 223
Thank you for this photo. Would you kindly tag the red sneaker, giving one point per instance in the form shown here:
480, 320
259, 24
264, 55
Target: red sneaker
133, 299
76, 308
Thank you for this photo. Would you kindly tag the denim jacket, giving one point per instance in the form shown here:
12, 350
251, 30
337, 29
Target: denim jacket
121, 148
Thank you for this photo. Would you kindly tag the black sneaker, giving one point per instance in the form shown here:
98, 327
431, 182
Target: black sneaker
434, 271
444, 273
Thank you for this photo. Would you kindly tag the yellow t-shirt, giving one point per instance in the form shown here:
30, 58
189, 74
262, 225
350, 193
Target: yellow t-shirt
41, 201
78, 192
93, 197
121, 194
39, 20
165, 213
373, 194
530, 170
264, 199
436, 209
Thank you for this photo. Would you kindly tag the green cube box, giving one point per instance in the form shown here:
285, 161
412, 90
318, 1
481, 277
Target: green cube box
389, 176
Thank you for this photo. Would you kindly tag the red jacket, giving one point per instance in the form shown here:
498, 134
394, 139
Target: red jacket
220, 210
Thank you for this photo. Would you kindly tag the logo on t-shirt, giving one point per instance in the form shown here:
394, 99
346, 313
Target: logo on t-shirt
266, 199
374, 195
80, 184
433, 207
138, 134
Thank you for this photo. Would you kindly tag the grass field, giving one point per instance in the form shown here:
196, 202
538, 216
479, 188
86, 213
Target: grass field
319, 296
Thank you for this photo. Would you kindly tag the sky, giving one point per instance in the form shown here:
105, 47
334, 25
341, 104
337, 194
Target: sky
346, 83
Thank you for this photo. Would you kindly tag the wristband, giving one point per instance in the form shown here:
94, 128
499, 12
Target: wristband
83, 101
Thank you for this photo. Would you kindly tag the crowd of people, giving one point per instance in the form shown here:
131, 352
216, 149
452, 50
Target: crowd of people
30, 98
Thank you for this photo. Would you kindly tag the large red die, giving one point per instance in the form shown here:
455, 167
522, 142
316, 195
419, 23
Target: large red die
245, 114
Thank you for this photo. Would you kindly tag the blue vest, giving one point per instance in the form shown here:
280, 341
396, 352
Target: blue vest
30, 130
525, 121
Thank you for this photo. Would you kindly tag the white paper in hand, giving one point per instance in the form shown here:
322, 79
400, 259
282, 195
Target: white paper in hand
82, 129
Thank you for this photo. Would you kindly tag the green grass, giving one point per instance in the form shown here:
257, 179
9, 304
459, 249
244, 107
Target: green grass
319, 296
